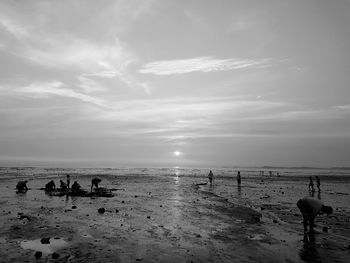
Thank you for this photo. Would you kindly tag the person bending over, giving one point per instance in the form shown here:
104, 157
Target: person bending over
95, 182
22, 186
75, 187
310, 208
50, 186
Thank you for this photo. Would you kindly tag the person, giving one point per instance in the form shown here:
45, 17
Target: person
210, 176
310, 208
75, 187
311, 184
50, 186
22, 186
95, 182
239, 177
318, 183
63, 185
68, 181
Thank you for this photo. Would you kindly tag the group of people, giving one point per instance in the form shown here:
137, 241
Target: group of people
64, 186
211, 177
309, 207
311, 184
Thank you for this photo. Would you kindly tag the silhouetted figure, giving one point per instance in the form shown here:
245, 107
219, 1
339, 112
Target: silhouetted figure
63, 185
310, 208
68, 181
318, 183
210, 176
239, 177
311, 184
95, 182
50, 186
270, 173
22, 186
75, 187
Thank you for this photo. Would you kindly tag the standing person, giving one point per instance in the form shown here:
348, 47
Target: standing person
310, 208
68, 181
239, 177
311, 184
318, 183
210, 176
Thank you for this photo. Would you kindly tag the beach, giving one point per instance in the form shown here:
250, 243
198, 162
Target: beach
171, 215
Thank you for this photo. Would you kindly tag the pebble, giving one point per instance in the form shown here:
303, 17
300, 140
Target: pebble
325, 229
117, 211
101, 210
74, 207
148, 217
38, 254
55, 255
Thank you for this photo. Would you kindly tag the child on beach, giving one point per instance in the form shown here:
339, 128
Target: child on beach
311, 184
310, 208
210, 176
50, 186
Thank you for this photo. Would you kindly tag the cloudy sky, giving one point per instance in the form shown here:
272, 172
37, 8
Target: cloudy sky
175, 82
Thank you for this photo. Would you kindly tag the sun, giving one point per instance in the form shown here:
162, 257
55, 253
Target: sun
177, 153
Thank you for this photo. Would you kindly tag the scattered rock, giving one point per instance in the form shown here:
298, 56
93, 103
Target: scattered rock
136, 196
101, 210
15, 228
139, 259
38, 254
45, 240
325, 229
198, 235
74, 207
275, 221
123, 202
55, 255
117, 211
160, 206
148, 217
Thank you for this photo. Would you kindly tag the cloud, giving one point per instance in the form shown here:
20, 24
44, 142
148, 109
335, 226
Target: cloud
43, 90
13, 28
202, 64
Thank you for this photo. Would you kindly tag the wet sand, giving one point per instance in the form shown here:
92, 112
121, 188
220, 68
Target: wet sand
171, 219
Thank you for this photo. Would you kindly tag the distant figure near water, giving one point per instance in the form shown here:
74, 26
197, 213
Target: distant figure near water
210, 176
310, 208
63, 185
50, 186
239, 177
318, 183
68, 181
95, 182
311, 184
75, 187
22, 186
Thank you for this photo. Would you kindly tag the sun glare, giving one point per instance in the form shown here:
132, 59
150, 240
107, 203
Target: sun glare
177, 153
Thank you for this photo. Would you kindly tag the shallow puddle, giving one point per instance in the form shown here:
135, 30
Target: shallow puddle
55, 244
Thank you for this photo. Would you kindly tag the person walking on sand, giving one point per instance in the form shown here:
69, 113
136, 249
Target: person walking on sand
310, 208
311, 184
318, 183
210, 176
239, 177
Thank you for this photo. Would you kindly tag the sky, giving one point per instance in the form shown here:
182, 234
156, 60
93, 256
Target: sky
199, 83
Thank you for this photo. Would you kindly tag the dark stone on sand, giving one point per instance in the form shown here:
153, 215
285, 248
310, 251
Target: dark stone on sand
38, 254
101, 210
74, 207
117, 211
45, 240
15, 227
198, 235
135, 196
148, 217
160, 206
275, 221
325, 229
262, 208
55, 255
123, 202
139, 259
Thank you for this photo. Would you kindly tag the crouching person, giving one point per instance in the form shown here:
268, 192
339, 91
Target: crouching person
310, 208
